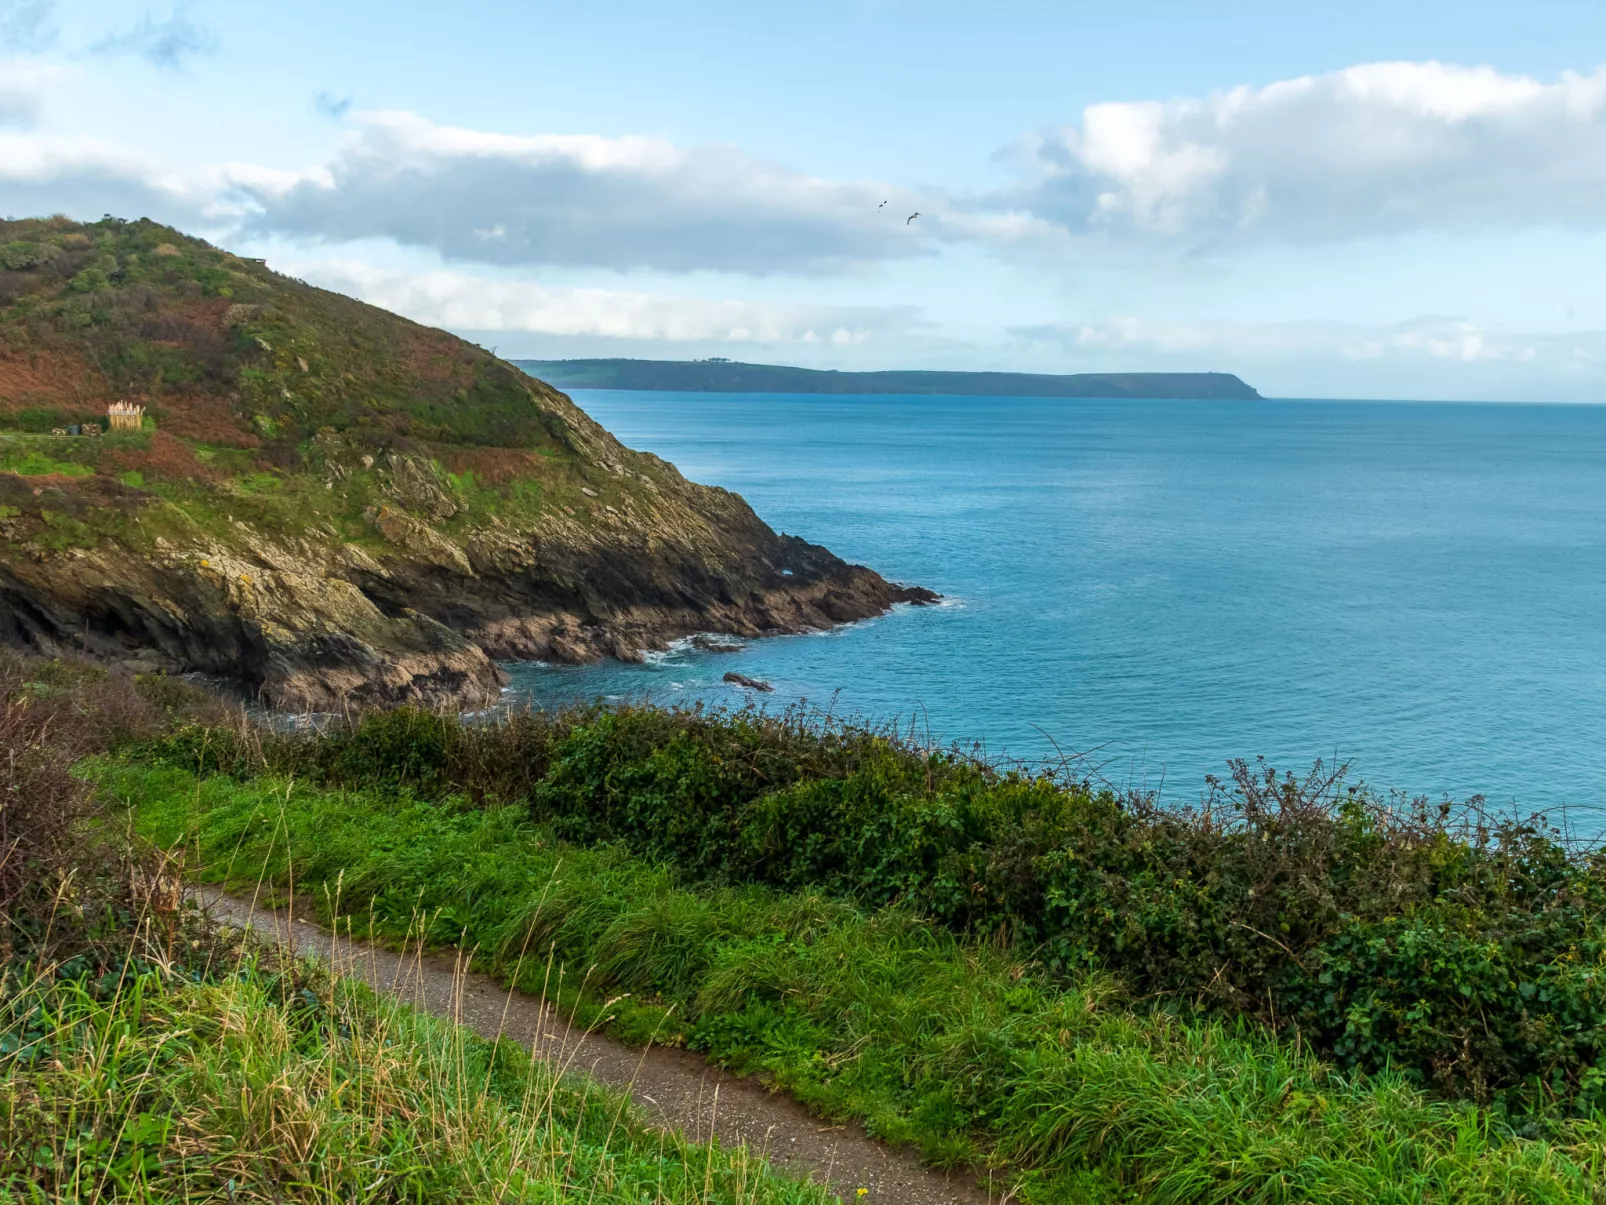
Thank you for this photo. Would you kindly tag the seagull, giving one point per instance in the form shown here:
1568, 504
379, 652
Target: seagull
881, 206
911, 217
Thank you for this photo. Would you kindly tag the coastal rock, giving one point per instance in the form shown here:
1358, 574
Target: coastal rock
747, 683
298, 639
339, 507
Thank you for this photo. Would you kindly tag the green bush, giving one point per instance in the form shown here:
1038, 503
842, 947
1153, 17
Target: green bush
1471, 957
21, 255
961, 1046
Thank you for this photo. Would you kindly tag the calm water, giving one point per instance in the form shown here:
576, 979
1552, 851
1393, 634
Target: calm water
1419, 589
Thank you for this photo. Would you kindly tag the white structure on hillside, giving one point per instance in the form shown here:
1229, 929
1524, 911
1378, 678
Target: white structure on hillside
125, 416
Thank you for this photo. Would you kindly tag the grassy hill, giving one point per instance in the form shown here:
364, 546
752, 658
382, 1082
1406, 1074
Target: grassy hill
328, 502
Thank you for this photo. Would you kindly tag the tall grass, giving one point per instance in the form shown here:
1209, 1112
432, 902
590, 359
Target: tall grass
147, 1056
66, 890
285, 1086
963, 1046
1461, 950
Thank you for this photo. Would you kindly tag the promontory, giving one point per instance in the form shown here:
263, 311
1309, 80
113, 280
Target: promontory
208, 466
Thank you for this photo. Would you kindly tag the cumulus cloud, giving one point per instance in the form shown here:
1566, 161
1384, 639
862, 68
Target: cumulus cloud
584, 200
1426, 339
1375, 149
464, 302
165, 43
85, 177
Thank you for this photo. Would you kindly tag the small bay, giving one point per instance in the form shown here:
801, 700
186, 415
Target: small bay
1416, 588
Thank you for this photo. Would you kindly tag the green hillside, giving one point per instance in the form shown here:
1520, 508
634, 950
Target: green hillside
328, 503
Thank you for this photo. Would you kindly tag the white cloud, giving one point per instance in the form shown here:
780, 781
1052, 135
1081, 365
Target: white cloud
459, 301
88, 177
24, 86
1375, 149
584, 200
1421, 341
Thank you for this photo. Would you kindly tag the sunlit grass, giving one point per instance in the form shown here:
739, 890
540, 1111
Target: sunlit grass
959, 1046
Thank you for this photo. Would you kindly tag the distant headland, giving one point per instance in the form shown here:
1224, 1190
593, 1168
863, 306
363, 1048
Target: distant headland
730, 376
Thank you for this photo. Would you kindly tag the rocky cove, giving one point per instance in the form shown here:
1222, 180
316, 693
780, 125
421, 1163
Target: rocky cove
332, 506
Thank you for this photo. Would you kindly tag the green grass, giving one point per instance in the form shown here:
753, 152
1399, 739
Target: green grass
1388, 937
286, 1087
962, 1047
32, 462
149, 1056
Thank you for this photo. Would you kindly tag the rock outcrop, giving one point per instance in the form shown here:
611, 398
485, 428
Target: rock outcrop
338, 507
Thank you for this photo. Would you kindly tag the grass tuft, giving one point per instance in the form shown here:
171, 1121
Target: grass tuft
962, 1047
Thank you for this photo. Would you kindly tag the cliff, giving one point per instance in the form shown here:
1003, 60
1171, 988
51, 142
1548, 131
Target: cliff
329, 504
727, 376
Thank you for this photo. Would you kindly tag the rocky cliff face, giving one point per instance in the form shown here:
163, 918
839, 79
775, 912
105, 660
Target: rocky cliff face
331, 505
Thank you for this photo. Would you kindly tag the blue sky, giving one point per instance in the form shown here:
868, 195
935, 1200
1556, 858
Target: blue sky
1360, 199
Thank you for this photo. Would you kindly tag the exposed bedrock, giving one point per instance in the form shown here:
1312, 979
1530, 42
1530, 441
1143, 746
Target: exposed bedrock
326, 627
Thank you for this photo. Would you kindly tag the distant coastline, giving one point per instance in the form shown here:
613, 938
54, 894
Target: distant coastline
730, 376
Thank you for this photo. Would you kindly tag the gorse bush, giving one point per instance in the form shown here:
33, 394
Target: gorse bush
1471, 956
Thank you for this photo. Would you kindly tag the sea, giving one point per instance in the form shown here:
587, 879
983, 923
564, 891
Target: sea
1138, 591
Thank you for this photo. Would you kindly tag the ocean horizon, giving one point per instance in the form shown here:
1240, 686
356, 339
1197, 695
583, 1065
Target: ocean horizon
1148, 588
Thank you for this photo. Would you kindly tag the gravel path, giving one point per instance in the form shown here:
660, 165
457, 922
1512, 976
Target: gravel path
673, 1088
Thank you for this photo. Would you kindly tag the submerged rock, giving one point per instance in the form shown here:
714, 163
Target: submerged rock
747, 683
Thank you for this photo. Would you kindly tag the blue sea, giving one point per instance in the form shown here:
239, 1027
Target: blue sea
1152, 587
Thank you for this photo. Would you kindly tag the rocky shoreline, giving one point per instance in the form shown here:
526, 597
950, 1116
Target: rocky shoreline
335, 508
301, 639
305, 626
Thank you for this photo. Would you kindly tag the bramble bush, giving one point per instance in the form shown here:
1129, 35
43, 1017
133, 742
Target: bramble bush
1470, 953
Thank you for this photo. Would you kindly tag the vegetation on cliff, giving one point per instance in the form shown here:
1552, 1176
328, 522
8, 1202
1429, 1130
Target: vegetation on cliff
1294, 994
330, 503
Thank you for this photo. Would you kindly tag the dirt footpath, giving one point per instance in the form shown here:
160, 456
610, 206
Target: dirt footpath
673, 1088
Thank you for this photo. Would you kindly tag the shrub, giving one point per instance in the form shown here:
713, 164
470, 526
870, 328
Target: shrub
65, 885
960, 1045
1465, 952
21, 255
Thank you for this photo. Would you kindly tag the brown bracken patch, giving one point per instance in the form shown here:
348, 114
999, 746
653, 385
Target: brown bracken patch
433, 355
204, 418
48, 378
164, 456
493, 466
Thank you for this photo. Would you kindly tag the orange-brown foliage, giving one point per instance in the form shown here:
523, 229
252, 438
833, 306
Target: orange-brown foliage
48, 378
203, 418
493, 466
164, 456
432, 355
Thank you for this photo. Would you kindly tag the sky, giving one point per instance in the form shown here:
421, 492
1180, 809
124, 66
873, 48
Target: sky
1356, 199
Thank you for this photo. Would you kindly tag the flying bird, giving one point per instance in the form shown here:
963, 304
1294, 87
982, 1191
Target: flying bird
911, 217
881, 206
